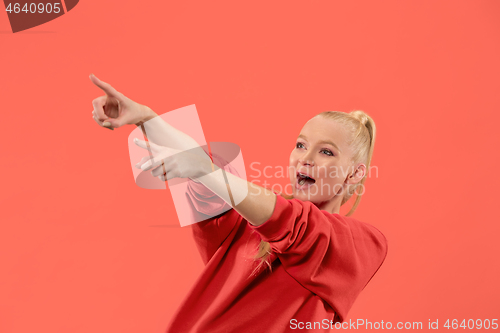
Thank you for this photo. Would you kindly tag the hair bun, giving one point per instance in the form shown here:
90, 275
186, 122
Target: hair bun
360, 115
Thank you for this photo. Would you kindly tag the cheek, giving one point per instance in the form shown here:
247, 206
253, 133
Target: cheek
292, 167
292, 164
330, 175
292, 161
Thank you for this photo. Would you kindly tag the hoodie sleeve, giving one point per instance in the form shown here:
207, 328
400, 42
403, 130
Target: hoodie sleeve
331, 255
220, 216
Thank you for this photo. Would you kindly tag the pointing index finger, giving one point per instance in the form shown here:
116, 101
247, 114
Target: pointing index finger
106, 87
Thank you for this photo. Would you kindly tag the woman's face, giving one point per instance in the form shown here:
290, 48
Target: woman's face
322, 154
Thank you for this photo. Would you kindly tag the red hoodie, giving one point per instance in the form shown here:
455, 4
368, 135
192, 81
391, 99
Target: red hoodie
320, 263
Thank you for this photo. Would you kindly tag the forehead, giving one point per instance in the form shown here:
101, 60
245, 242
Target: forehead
323, 129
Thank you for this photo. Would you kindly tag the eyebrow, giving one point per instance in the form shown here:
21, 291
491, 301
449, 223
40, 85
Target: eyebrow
323, 141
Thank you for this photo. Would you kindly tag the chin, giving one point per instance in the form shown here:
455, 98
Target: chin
303, 195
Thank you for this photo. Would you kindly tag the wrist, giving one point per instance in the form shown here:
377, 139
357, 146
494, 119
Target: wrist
146, 114
205, 167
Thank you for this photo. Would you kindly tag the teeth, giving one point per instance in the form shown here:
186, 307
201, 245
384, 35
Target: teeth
302, 181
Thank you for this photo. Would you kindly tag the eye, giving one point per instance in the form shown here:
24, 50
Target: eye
328, 152
299, 145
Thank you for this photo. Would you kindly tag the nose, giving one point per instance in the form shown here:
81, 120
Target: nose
306, 159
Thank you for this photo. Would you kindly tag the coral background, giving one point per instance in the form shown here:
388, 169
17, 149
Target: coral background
84, 249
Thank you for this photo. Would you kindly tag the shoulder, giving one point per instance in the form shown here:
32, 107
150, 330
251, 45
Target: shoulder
363, 226
367, 237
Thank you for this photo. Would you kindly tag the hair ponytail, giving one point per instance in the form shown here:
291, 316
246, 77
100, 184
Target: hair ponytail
363, 142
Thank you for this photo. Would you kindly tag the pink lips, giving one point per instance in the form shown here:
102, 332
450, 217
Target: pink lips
306, 184
303, 186
304, 173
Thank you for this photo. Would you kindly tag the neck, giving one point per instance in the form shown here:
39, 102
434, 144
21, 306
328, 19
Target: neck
332, 206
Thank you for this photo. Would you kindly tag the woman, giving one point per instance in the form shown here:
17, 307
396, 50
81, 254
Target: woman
273, 263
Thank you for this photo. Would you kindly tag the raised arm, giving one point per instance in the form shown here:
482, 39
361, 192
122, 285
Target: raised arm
115, 110
176, 154
258, 203
253, 202
157, 130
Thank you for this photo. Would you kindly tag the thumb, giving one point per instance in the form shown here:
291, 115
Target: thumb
147, 145
108, 123
114, 122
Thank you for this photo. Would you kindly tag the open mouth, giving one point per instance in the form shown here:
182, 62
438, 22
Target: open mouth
304, 180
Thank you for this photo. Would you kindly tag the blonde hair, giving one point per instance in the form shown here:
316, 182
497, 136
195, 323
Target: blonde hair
361, 131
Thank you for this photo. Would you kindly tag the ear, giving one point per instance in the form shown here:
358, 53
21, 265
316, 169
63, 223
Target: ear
357, 175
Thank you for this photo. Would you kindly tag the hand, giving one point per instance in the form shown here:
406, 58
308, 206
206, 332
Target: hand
168, 163
115, 110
